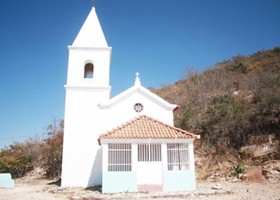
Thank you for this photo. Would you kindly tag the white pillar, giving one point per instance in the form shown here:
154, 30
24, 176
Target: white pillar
191, 155
105, 158
164, 156
134, 157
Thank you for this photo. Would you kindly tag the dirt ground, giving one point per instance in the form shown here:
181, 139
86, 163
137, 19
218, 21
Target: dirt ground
48, 190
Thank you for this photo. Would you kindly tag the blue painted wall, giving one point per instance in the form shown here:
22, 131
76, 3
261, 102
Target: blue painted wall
6, 181
115, 182
178, 180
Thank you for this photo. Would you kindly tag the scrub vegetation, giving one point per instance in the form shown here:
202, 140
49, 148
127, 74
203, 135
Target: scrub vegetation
235, 107
46, 153
231, 101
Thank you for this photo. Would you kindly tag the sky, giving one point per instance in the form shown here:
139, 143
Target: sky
160, 39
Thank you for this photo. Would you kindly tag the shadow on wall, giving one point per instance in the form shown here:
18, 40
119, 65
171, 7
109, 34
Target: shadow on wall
95, 178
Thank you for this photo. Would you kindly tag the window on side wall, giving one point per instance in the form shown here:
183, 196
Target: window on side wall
119, 157
177, 156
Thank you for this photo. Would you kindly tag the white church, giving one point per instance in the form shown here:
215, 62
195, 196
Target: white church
127, 143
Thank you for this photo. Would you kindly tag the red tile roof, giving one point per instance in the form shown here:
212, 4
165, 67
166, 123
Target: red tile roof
144, 127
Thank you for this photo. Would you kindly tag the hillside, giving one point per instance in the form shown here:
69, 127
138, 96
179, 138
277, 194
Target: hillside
233, 100
234, 106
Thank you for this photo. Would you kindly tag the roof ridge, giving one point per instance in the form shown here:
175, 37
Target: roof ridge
145, 92
147, 123
121, 126
173, 127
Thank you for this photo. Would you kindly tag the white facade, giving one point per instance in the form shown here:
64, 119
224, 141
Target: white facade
89, 111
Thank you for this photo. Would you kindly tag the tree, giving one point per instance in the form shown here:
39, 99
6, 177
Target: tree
52, 149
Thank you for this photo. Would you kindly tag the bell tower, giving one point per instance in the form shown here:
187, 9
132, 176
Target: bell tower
89, 56
87, 86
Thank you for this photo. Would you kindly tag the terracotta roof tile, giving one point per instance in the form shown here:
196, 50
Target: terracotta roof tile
144, 127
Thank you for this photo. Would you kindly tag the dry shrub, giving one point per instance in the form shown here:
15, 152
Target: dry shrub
52, 152
52, 149
21, 159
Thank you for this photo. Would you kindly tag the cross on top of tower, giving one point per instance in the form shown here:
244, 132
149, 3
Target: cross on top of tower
93, 3
137, 79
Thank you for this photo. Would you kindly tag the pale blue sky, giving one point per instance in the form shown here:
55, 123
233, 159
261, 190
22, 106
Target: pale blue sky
158, 38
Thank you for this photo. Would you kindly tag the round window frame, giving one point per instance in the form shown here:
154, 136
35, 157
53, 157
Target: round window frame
138, 107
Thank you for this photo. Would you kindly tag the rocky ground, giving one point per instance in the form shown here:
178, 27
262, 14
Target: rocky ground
261, 180
46, 189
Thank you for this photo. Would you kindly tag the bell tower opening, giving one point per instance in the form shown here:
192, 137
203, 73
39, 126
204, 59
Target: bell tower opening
88, 70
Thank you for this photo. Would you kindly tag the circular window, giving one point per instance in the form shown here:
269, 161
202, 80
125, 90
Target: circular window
138, 107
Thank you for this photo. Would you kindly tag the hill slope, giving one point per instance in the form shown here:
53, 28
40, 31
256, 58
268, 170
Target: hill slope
233, 105
231, 101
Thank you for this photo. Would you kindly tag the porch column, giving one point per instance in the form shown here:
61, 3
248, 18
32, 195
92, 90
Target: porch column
191, 155
134, 155
105, 157
164, 156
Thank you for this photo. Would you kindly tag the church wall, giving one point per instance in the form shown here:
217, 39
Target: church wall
81, 154
123, 111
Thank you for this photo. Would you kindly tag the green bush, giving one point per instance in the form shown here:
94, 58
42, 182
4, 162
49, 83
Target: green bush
239, 169
14, 160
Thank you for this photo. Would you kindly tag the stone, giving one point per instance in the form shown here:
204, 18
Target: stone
217, 186
271, 170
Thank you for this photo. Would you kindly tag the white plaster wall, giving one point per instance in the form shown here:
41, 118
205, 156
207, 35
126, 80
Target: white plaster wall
99, 57
123, 112
81, 152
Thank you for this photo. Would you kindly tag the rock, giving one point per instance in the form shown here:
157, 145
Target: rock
253, 174
271, 170
217, 186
